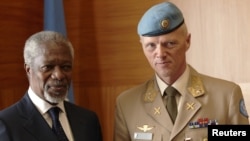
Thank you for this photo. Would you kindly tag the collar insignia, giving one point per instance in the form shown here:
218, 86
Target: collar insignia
196, 88
157, 110
151, 93
190, 106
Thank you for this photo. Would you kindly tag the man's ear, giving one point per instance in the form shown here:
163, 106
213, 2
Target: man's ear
27, 69
188, 41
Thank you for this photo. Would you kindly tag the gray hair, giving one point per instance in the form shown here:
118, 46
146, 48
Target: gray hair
33, 43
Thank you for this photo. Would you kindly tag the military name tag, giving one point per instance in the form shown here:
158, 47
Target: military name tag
143, 136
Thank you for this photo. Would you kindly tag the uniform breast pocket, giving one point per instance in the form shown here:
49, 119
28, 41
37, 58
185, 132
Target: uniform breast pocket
199, 134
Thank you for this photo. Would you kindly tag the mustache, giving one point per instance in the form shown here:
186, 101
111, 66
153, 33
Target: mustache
59, 83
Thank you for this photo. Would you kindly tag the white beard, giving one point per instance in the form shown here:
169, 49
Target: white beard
54, 99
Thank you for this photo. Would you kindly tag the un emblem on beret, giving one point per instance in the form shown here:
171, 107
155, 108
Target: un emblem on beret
164, 24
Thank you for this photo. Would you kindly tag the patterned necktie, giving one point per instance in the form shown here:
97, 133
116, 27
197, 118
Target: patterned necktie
170, 102
56, 125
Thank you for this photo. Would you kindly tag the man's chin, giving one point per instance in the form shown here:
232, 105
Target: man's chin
54, 99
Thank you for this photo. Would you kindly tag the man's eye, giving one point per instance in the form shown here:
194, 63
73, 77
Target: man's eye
150, 46
170, 44
47, 67
67, 67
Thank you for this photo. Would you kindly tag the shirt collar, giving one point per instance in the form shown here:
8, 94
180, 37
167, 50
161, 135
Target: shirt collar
180, 84
41, 104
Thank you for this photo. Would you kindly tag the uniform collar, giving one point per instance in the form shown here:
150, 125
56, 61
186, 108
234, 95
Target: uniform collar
180, 84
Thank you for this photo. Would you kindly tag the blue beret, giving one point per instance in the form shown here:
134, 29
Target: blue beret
160, 19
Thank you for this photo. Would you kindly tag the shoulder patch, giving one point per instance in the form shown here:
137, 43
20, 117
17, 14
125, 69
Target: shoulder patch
243, 109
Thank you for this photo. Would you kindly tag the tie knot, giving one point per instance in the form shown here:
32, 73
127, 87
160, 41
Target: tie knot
171, 91
54, 112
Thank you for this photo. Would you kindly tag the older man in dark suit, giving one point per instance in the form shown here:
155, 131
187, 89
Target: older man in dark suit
43, 114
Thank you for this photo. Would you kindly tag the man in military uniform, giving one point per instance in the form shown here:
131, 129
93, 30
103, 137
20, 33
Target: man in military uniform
149, 112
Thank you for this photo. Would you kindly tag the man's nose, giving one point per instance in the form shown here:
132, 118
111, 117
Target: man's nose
58, 73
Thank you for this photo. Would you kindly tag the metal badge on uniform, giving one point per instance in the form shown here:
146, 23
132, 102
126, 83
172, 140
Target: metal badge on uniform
157, 110
190, 106
143, 135
145, 128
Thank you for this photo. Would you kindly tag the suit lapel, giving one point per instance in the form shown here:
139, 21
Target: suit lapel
77, 123
34, 123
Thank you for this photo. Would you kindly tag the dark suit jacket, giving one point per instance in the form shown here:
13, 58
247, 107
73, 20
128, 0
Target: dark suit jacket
23, 122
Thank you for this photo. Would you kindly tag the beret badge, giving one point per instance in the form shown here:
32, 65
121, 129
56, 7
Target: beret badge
164, 24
